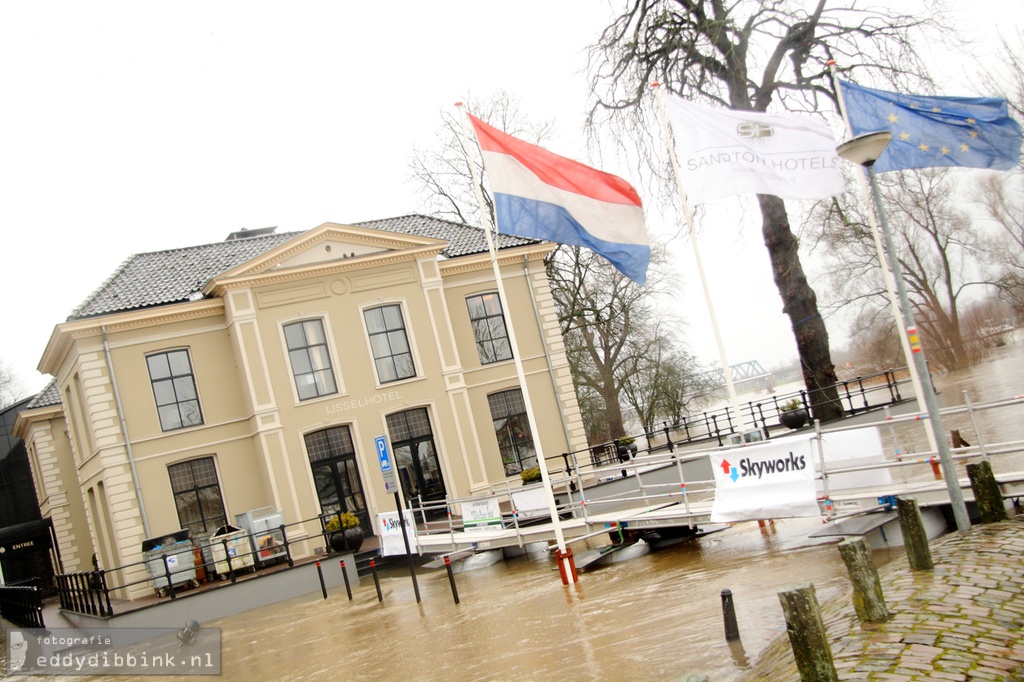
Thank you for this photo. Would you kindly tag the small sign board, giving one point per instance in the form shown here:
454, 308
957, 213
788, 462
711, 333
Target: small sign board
391, 540
481, 515
387, 467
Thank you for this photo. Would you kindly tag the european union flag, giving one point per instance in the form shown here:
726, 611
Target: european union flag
976, 132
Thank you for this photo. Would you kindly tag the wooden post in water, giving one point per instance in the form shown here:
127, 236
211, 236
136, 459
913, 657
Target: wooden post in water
807, 635
987, 495
915, 540
868, 600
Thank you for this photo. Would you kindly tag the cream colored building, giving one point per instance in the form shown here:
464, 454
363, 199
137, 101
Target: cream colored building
200, 383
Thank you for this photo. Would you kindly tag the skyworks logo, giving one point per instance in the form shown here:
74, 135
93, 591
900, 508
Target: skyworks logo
759, 469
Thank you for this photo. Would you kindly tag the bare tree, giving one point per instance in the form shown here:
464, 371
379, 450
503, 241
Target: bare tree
603, 314
10, 388
440, 172
939, 250
610, 326
876, 344
667, 385
1002, 196
745, 55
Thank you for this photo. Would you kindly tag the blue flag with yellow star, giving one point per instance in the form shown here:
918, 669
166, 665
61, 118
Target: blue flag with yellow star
976, 132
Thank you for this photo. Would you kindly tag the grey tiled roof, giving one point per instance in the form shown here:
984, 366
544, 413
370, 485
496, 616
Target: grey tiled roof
162, 277
47, 397
463, 240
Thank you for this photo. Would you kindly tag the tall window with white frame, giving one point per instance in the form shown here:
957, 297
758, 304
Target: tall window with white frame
512, 428
174, 388
310, 359
197, 495
392, 354
488, 321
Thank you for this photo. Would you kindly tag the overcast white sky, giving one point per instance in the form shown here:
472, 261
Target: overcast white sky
139, 126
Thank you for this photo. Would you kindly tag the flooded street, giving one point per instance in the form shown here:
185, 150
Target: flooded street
658, 616
655, 617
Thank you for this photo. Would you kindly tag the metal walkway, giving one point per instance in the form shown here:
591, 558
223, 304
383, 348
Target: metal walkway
649, 493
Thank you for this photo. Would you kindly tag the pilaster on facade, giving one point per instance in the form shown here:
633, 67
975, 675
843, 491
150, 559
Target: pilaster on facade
241, 313
551, 331
440, 320
52, 484
277, 470
468, 438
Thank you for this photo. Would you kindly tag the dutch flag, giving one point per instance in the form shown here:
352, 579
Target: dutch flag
546, 196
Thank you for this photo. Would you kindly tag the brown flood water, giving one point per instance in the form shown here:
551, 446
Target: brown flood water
655, 617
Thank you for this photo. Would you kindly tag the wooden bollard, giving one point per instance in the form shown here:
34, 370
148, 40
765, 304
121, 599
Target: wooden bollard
732, 628
807, 636
915, 540
868, 600
987, 496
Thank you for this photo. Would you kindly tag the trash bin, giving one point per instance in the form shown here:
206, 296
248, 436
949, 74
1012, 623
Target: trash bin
170, 553
238, 550
264, 525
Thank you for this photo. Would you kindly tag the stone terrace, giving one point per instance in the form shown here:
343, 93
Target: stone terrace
961, 621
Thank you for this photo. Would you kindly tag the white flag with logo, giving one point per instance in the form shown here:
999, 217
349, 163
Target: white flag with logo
769, 480
724, 152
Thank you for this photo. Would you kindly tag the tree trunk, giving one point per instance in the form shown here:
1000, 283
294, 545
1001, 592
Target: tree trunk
801, 305
613, 414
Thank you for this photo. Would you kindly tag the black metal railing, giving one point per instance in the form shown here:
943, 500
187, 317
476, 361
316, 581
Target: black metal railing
90, 592
22, 605
857, 395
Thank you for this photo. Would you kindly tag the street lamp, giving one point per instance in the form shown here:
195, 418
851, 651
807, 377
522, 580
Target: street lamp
864, 150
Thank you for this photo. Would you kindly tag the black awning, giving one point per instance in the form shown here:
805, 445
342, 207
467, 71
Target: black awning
30, 536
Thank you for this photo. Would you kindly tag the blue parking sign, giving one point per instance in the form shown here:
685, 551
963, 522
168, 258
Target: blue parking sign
382, 453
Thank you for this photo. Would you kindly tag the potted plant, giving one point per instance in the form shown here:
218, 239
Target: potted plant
625, 448
345, 532
531, 475
792, 414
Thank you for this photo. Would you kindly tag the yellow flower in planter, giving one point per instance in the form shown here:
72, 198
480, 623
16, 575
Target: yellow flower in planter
530, 475
344, 520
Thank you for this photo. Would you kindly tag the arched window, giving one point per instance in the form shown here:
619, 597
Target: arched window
197, 495
512, 428
488, 321
332, 458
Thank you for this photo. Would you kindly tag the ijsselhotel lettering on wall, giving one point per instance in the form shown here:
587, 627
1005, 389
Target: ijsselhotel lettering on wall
343, 405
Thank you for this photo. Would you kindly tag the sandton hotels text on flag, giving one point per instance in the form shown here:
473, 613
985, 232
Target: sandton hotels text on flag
724, 152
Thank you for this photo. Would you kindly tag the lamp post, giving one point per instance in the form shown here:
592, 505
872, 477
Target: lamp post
864, 150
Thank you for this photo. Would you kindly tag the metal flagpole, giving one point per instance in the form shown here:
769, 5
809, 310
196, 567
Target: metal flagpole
915, 377
865, 150
726, 368
566, 564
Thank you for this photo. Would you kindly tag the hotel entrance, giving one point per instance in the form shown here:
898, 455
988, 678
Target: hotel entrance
412, 443
332, 458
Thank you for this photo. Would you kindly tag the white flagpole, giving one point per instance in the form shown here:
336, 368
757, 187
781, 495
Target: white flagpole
726, 368
890, 287
566, 564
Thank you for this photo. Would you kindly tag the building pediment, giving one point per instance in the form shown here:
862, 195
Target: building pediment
330, 246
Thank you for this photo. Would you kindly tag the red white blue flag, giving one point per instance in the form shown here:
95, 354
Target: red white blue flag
546, 196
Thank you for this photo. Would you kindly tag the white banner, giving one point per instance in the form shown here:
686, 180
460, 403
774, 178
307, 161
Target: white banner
391, 541
770, 480
724, 152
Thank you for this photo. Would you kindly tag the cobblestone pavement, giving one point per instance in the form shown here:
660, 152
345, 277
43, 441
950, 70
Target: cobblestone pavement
961, 621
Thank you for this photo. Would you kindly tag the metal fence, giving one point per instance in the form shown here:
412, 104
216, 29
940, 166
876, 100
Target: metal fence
22, 605
89, 592
857, 395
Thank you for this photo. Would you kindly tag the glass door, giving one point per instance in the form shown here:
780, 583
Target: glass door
416, 458
332, 459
